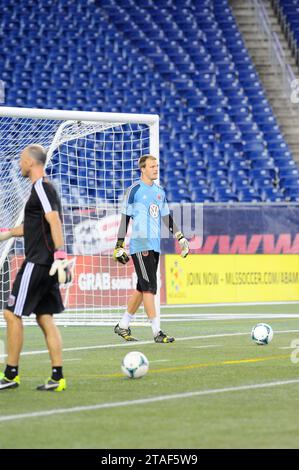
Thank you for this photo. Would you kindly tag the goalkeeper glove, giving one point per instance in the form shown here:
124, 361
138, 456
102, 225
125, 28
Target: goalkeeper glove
61, 266
184, 244
5, 234
120, 253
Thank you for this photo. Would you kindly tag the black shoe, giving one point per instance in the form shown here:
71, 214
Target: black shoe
125, 333
163, 338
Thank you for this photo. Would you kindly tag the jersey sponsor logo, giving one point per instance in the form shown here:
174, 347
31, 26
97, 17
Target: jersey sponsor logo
154, 210
11, 301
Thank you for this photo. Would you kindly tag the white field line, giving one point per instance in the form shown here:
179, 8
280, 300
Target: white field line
206, 346
232, 315
110, 320
128, 344
143, 401
230, 304
141, 343
253, 317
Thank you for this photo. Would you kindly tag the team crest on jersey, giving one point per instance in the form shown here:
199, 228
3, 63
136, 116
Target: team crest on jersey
154, 210
11, 301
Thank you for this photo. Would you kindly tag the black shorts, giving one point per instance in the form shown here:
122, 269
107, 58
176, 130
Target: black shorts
146, 265
34, 291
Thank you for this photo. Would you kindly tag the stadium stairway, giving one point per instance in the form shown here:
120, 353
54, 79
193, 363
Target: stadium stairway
256, 43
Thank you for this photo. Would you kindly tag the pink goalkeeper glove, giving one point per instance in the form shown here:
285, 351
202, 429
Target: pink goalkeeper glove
61, 266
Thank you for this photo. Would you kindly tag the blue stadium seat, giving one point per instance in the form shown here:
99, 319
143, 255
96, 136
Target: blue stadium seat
239, 183
261, 182
248, 195
199, 197
272, 195
220, 196
193, 174
197, 164
174, 196
266, 164
261, 173
288, 172
239, 173
289, 182
236, 164
291, 192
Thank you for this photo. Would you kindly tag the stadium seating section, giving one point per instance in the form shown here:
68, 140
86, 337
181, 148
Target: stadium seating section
185, 60
288, 14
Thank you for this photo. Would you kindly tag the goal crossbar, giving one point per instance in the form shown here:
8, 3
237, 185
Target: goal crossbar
60, 114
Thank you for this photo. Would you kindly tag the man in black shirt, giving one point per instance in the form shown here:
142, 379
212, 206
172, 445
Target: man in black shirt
36, 287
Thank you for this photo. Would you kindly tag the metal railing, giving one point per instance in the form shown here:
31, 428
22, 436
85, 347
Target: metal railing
276, 54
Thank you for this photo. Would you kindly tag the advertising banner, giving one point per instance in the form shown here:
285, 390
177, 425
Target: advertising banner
228, 278
98, 281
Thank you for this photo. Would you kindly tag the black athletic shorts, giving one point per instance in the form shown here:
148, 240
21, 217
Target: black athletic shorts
35, 291
146, 264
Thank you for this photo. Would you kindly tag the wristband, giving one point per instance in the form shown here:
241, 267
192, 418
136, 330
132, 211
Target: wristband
120, 243
60, 254
179, 236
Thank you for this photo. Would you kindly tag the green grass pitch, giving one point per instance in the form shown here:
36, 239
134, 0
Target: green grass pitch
209, 391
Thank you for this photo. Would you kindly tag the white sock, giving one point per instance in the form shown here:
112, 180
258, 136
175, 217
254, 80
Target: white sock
126, 319
155, 324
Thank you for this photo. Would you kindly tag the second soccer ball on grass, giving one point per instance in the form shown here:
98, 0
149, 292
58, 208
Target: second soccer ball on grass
135, 365
262, 334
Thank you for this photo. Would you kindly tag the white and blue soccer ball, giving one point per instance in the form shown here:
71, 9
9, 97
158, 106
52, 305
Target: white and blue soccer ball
262, 334
135, 365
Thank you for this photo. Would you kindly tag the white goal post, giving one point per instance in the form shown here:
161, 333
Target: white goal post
92, 159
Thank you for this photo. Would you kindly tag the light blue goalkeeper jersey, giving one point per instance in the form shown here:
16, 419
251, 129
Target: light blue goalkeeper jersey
145, 205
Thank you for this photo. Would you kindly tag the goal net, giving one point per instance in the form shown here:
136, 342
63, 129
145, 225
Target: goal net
92, 160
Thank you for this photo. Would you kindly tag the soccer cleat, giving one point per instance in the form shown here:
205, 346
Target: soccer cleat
7, 383
125, 333
52, 386
163, 338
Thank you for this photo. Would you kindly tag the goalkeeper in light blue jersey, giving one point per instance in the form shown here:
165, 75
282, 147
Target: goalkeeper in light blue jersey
145, 203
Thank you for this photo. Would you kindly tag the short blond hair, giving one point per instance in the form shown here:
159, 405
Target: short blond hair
142, 160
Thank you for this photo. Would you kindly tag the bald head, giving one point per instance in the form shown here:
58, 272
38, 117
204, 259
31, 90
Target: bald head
37, 152
33, 160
